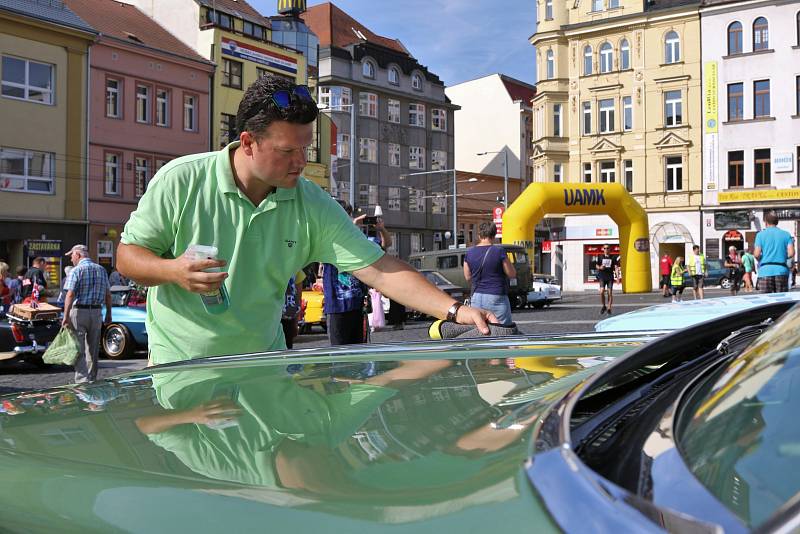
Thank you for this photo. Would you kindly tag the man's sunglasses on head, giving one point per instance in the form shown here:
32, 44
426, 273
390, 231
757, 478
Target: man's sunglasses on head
283, 97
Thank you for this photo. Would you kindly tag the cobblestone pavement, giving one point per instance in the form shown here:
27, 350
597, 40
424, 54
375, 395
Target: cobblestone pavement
578, 312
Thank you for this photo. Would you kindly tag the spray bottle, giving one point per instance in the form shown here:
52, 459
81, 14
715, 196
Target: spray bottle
216, 301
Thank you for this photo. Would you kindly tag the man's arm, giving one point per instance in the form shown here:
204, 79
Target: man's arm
68, 300
148, 269
757, 252
790, 250
399, 281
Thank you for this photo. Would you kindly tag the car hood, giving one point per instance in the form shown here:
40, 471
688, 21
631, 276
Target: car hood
427, 437
677, 315
128, 313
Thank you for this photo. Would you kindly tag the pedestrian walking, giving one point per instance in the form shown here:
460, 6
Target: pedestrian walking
698, 269
735, 270
666, 270
749, 265
87, 290
250, 201
488, 270
63, 293
774, 247
606, 265
676, 279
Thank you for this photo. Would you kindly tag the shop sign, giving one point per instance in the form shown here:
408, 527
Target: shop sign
261, 56
758, 196
597, 250
787, 214
731, 220
547, 246
603, 232
50, 250
732, 235
497, 218
783, 162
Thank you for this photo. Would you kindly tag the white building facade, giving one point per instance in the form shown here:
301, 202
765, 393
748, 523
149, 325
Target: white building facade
751, 144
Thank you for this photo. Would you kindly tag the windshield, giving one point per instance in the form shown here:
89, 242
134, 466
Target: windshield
118, 298
518, 257
436, 278
738, 432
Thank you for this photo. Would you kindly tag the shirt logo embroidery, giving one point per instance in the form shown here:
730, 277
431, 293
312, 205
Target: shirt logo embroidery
290, 242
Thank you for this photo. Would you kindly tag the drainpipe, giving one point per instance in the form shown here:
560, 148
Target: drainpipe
86, 125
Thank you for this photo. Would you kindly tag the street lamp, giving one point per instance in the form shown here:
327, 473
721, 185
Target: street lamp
505, 172
324, 107
455, 194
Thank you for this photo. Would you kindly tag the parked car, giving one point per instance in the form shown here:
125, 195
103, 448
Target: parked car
677, 315
717, 275
25, 339
127, 333
444, 284
545, 289
693, 432
313, 314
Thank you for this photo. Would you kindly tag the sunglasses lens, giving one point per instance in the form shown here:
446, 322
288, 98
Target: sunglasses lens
302, 92
282, 99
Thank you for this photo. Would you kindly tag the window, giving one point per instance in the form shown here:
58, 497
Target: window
416, 115
587, 118
368, 69
597, 5
368, 105
190, 113
797, 95
112, 175
606, 115
416, 240
760, 34
27, 80
624, 55
612, 4
798, 33
762, 171
548, 9
394, 111
627, 113
162, 107
143, 103
439, 119
416, 200
113, 98
606, 57
761, 98
551, 65
672, 48
735, 38
141, 176
587, 173
628, 166
368, 150
416, 82
343, 146
735, 101
674, 173
608, 172
558, 173
254, 30
394, 76
394, 155
160, 163
736, 168
261, 72
227, 128
438, 160
231, 73
673, 112
587, 60
439, 203
26, 171
394, 199
220, 19
557, 120
334, 97
416, 157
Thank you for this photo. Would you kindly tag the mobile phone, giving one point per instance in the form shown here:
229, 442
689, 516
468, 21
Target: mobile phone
370, 221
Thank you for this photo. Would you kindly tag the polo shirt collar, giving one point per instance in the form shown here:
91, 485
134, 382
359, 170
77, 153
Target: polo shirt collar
227, 184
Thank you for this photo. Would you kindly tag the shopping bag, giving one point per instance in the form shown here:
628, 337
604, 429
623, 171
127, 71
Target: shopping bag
63, 350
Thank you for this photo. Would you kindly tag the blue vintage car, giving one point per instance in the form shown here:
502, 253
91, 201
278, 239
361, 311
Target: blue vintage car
126, 334
677, 315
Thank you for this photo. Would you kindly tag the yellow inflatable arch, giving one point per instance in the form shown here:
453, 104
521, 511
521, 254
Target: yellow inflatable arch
540, 199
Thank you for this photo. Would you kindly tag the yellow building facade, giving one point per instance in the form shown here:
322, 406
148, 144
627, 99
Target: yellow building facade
43, 138
619, 100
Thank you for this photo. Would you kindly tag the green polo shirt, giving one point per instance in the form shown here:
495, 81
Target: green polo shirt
194, 200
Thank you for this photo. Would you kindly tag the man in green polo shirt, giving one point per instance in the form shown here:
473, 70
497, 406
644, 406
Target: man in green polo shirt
267, 222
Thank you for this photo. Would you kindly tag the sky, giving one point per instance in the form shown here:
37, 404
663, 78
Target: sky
458, 40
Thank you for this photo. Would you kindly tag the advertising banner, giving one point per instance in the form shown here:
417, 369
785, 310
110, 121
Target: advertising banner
758, 196
261, 56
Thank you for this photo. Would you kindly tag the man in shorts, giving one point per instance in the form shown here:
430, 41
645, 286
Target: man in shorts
774, 247
606, 267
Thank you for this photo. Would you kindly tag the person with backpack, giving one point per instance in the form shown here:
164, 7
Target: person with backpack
488, 269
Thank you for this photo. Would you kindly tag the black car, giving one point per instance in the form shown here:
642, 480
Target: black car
23, 339
717, 275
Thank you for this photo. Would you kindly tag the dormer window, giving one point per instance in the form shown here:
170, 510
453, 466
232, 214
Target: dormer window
368, 69
548, 9
416, 82
223, 20
394, 76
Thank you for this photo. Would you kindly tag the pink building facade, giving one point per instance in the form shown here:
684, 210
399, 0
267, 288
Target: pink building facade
149, 104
